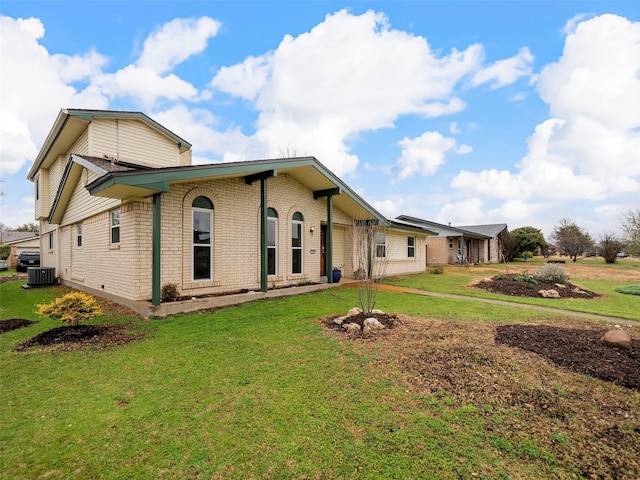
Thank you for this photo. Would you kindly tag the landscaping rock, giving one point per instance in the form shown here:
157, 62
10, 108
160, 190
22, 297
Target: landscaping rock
377, 311
340, 320
354, 311
351, 327
372, 324
551, 293
617, 339
560, 285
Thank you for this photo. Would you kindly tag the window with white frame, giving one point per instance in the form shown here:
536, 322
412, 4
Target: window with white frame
38, 187
202, 222
114, 216
79, 235
381, 244
51, 241
297, 224
450, 243
411, 247
272, 243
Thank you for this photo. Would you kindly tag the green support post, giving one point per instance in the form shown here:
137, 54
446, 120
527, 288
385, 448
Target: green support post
329, 241
155, 255
263, 235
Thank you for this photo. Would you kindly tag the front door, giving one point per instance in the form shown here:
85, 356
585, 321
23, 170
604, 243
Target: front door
323, 239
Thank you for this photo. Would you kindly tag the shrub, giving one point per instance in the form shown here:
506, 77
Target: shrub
72, 308
629, 289
437, 270
169, 292
551, 273
525, 278
527, 254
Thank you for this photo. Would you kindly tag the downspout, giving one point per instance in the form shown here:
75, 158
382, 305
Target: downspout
263, 235
155, 250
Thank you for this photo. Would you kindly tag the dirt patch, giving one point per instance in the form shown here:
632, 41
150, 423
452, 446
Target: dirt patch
578, 349
76, 337
14, 323
517, 285
552, 385
15, 276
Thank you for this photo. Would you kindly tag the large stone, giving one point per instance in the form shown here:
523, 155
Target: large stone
372, 324
351, 327
340, 320
560, 285
354, 311
551, 293
617, 339
377, 311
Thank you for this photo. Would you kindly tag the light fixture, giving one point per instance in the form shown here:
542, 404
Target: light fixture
312, 229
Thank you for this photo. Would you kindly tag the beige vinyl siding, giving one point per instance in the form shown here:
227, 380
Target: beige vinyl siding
37, 185
82, 205
81, 145
132, 141
398, 260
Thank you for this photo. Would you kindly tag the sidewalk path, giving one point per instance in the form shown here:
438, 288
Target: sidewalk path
593, 316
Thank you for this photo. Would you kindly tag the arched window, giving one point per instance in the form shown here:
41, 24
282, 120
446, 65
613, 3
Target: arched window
202, 226
297, 223
272, 236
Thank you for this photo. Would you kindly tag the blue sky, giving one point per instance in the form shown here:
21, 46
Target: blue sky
465, 112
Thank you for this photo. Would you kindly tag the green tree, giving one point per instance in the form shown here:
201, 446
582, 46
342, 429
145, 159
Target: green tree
529, 239
570, 239
28, 227
631, 229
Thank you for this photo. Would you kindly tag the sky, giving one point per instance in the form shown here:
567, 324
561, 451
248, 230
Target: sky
473, 112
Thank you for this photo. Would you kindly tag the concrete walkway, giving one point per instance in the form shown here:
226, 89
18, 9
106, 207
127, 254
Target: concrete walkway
559, 311
147, 310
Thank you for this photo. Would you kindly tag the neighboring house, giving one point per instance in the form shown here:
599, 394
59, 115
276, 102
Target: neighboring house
461, 244
19, 242
123, 212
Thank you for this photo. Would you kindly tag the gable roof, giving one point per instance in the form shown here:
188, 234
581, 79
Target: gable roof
71, 123
491, 230
443, 230
11, 236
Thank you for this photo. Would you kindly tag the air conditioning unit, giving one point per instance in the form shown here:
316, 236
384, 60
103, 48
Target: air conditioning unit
37, 276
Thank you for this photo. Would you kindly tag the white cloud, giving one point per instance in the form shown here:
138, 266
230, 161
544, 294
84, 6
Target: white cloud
145, 85
348, 75
589, 149
175, 41
33, 91
507, 71
453, 128
425, 154
464, 212
245, 79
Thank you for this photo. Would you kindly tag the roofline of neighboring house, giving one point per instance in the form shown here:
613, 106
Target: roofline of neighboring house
88, 116
33, 237
463, 232
395, 223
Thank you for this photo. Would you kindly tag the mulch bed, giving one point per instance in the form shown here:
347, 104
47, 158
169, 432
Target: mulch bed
507, 285
74, 337
14, 324
577, 349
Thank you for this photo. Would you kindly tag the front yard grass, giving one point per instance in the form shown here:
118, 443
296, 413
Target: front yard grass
458, 280
262, 391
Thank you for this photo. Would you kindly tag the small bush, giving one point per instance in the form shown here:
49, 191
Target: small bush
527, 254
629, 290
169, 292
525, 278
551, 273
436, 270
72, 308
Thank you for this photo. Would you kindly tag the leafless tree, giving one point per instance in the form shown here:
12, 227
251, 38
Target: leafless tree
610, 247
371, 254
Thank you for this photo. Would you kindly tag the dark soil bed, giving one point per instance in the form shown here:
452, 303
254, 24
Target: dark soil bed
509, 285
79, 336
14, 324
389, 320
579, 350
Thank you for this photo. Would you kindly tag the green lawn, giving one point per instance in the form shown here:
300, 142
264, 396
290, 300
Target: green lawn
611, 303
253, 391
